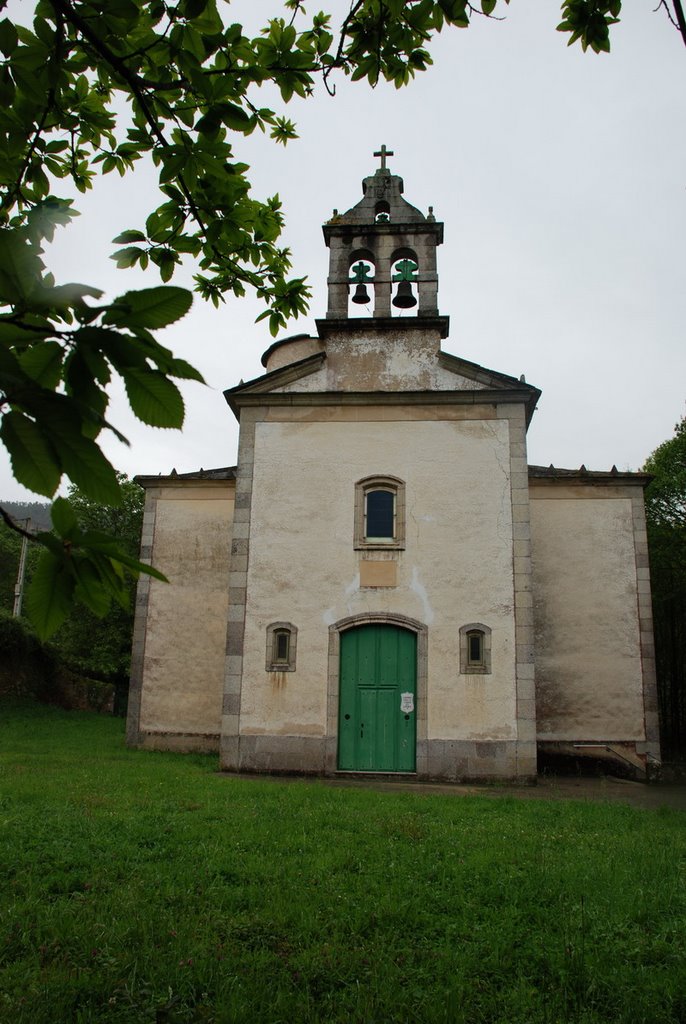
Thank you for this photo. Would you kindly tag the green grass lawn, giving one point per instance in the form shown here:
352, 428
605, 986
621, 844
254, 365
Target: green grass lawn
145, 887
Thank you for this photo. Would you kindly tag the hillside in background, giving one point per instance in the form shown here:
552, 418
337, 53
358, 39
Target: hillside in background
37, 511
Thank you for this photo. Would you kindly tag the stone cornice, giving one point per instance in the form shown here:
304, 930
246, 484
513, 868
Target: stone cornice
553, 476
489, 396
204, 477
343, 228
276, 379
365, 324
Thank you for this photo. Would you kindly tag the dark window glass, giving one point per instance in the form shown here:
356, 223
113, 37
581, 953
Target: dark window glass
475, 641
281, 645
380, 508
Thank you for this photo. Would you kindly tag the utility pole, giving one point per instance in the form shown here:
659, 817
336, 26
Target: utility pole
21, 572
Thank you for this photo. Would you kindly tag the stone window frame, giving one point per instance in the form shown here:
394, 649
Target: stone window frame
468, 667
272, 663
379, 482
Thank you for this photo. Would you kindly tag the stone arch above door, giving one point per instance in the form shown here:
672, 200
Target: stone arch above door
333, 687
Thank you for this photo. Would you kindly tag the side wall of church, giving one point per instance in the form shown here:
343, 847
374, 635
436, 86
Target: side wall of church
457, 567
180, 629
594, 649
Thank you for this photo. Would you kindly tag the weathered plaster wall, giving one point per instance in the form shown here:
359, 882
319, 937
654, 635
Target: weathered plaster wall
183, 663
457, 566
589, 681
292, 351
392, 361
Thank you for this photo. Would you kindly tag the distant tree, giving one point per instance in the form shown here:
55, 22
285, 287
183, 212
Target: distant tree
666, 517
89, 645
101, 646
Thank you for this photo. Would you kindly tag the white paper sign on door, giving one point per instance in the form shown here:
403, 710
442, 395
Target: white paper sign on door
406, 703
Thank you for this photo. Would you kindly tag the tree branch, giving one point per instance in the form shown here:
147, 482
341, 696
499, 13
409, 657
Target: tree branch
350, 17
681, 20
135, 85
9, 199
14, 525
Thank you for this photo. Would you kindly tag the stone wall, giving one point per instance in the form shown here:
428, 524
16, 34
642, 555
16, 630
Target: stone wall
594, 656
178, 662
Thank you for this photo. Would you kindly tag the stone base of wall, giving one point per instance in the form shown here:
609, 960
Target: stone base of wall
468, 760
447, 760
179, 742
291, 754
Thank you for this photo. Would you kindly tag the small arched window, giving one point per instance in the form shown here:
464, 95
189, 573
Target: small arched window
380, 512
382, 212
281, 642
475, 649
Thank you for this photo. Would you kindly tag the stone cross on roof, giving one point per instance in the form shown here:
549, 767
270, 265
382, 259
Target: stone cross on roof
383, 153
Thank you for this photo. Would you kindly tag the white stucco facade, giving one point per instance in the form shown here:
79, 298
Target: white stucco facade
445, 573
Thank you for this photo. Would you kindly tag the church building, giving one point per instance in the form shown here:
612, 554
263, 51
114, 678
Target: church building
382, 583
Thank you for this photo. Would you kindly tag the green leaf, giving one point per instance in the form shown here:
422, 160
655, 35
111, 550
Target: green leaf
95, 540
21, 268
127, 257
63, 296
91, 589
50, 594
153, 397
43, 363
151, 307
236, 118
184, 371
85, 464
64, 519
8, 37
129, 236
34, 462
193, 43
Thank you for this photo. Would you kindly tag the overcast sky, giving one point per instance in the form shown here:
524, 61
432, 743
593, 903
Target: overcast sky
561, 180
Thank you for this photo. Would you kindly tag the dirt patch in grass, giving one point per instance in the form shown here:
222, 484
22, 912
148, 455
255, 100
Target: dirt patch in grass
609, 789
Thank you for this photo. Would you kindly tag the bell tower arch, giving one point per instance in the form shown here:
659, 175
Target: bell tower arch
398, 243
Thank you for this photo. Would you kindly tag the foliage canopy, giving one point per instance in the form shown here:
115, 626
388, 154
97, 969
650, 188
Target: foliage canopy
666, 518
96, 86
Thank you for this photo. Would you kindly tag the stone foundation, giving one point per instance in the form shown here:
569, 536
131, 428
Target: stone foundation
447, 760
179, 742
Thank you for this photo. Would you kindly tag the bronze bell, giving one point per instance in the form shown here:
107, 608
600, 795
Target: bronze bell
404, 299
361, 296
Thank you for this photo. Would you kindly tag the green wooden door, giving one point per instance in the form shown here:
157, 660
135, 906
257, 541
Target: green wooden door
377, 729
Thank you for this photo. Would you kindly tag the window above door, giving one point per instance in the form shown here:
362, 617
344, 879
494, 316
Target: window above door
380, 513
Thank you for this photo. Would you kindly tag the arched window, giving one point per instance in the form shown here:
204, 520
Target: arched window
475, 649
361, 283
382, 212
404, 278
281, 642
380, 515
380, 512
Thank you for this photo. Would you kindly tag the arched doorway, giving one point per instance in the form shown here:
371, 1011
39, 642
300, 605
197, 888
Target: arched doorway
377, 717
